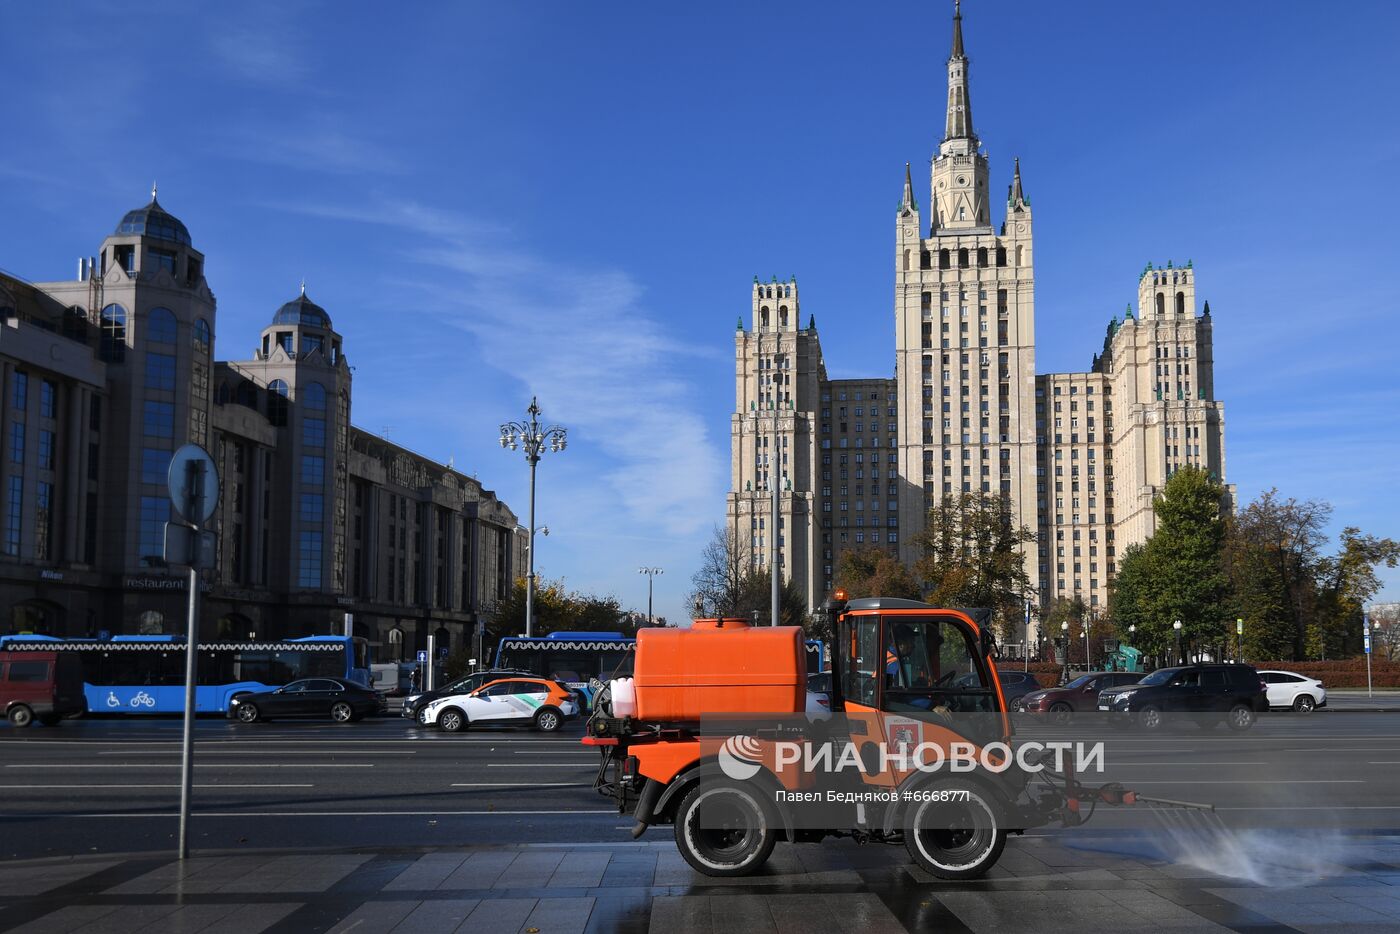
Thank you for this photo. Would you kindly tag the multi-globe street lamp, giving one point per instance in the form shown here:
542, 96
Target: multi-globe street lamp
1180, 659
536, 438
651, 578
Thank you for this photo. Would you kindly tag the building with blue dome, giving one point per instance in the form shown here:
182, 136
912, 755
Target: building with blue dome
107, 374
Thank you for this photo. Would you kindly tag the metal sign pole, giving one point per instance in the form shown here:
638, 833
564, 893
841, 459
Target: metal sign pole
1366, 636
193, 482
195, 472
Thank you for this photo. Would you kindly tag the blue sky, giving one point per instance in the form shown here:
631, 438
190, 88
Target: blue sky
500, 199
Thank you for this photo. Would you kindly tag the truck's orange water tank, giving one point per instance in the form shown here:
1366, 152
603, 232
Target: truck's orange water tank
719, 666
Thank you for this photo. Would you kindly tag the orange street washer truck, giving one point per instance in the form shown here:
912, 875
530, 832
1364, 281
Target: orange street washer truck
903, 672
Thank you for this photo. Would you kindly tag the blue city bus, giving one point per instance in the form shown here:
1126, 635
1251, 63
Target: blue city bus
146, 674
573, 657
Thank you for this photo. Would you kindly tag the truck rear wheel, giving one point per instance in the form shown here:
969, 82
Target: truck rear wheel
725, 828
954, 833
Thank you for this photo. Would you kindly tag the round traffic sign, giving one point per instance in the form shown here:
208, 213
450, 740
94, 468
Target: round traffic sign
194, 484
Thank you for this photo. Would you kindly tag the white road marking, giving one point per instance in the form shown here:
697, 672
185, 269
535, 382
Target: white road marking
1251, 781
205, 751
197, 764
519, 784
215, 785
541, 765
285, 814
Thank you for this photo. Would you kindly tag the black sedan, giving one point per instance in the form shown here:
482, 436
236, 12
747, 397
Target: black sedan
342, 701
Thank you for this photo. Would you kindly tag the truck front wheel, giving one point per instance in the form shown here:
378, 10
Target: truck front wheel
952, 831
725, 828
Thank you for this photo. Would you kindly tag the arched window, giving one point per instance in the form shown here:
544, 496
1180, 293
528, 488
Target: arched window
982, 256
1018, 255
1181, 303
222, 394
763, 317
247, 395
313, 396
782, 316
945, 259
1161, 305
787, 291
277, 403
1001, 256
160, 326
202, 335
925, 260
962, 258
75, 324
113, 348
906, 260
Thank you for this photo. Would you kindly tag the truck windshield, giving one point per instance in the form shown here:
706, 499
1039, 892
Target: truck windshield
932, 663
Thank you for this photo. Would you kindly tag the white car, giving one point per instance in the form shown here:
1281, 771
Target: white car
536, 702
1293, 691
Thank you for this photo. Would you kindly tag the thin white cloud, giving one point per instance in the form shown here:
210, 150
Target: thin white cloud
587, 344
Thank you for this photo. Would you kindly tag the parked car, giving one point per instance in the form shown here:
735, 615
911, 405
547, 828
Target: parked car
1015, 685
537, 702
1293, 691
413, 704
342, 701
46, 686
1060, 703
1206, 693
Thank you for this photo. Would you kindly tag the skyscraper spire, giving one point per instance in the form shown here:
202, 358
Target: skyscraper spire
959, 102
957, 30
1017, 198
907, 202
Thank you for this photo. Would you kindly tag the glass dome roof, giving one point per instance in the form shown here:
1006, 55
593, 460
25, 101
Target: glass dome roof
153, 221
302, 311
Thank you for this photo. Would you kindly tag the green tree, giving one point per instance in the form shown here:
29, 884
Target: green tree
1179, 573
756, 600
1189, 561
1275, 554
874, 572
557, 609
971, 554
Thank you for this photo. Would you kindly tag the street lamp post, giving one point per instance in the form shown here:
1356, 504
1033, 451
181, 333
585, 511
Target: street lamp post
534, 437
1064, 639
651, 576
1086, 648
1180, 659
1027, 647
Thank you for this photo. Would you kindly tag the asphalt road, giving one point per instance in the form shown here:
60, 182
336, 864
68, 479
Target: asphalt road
102, 786
97, 786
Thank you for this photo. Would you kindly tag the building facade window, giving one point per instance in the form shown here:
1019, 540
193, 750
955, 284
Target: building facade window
160, 371
313, 469
158, 419
48, 399
155, 465
20, 390
203, 337
313, 432
46, 440
277, 403
312, 508
155, 512
309, 559
160, 326
43, 521
17, 443
14, 506
113, 346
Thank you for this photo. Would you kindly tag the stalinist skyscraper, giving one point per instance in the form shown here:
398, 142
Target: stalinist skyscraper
1077, 457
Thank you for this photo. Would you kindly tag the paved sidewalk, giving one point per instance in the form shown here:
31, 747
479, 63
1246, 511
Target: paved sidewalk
1054, 883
